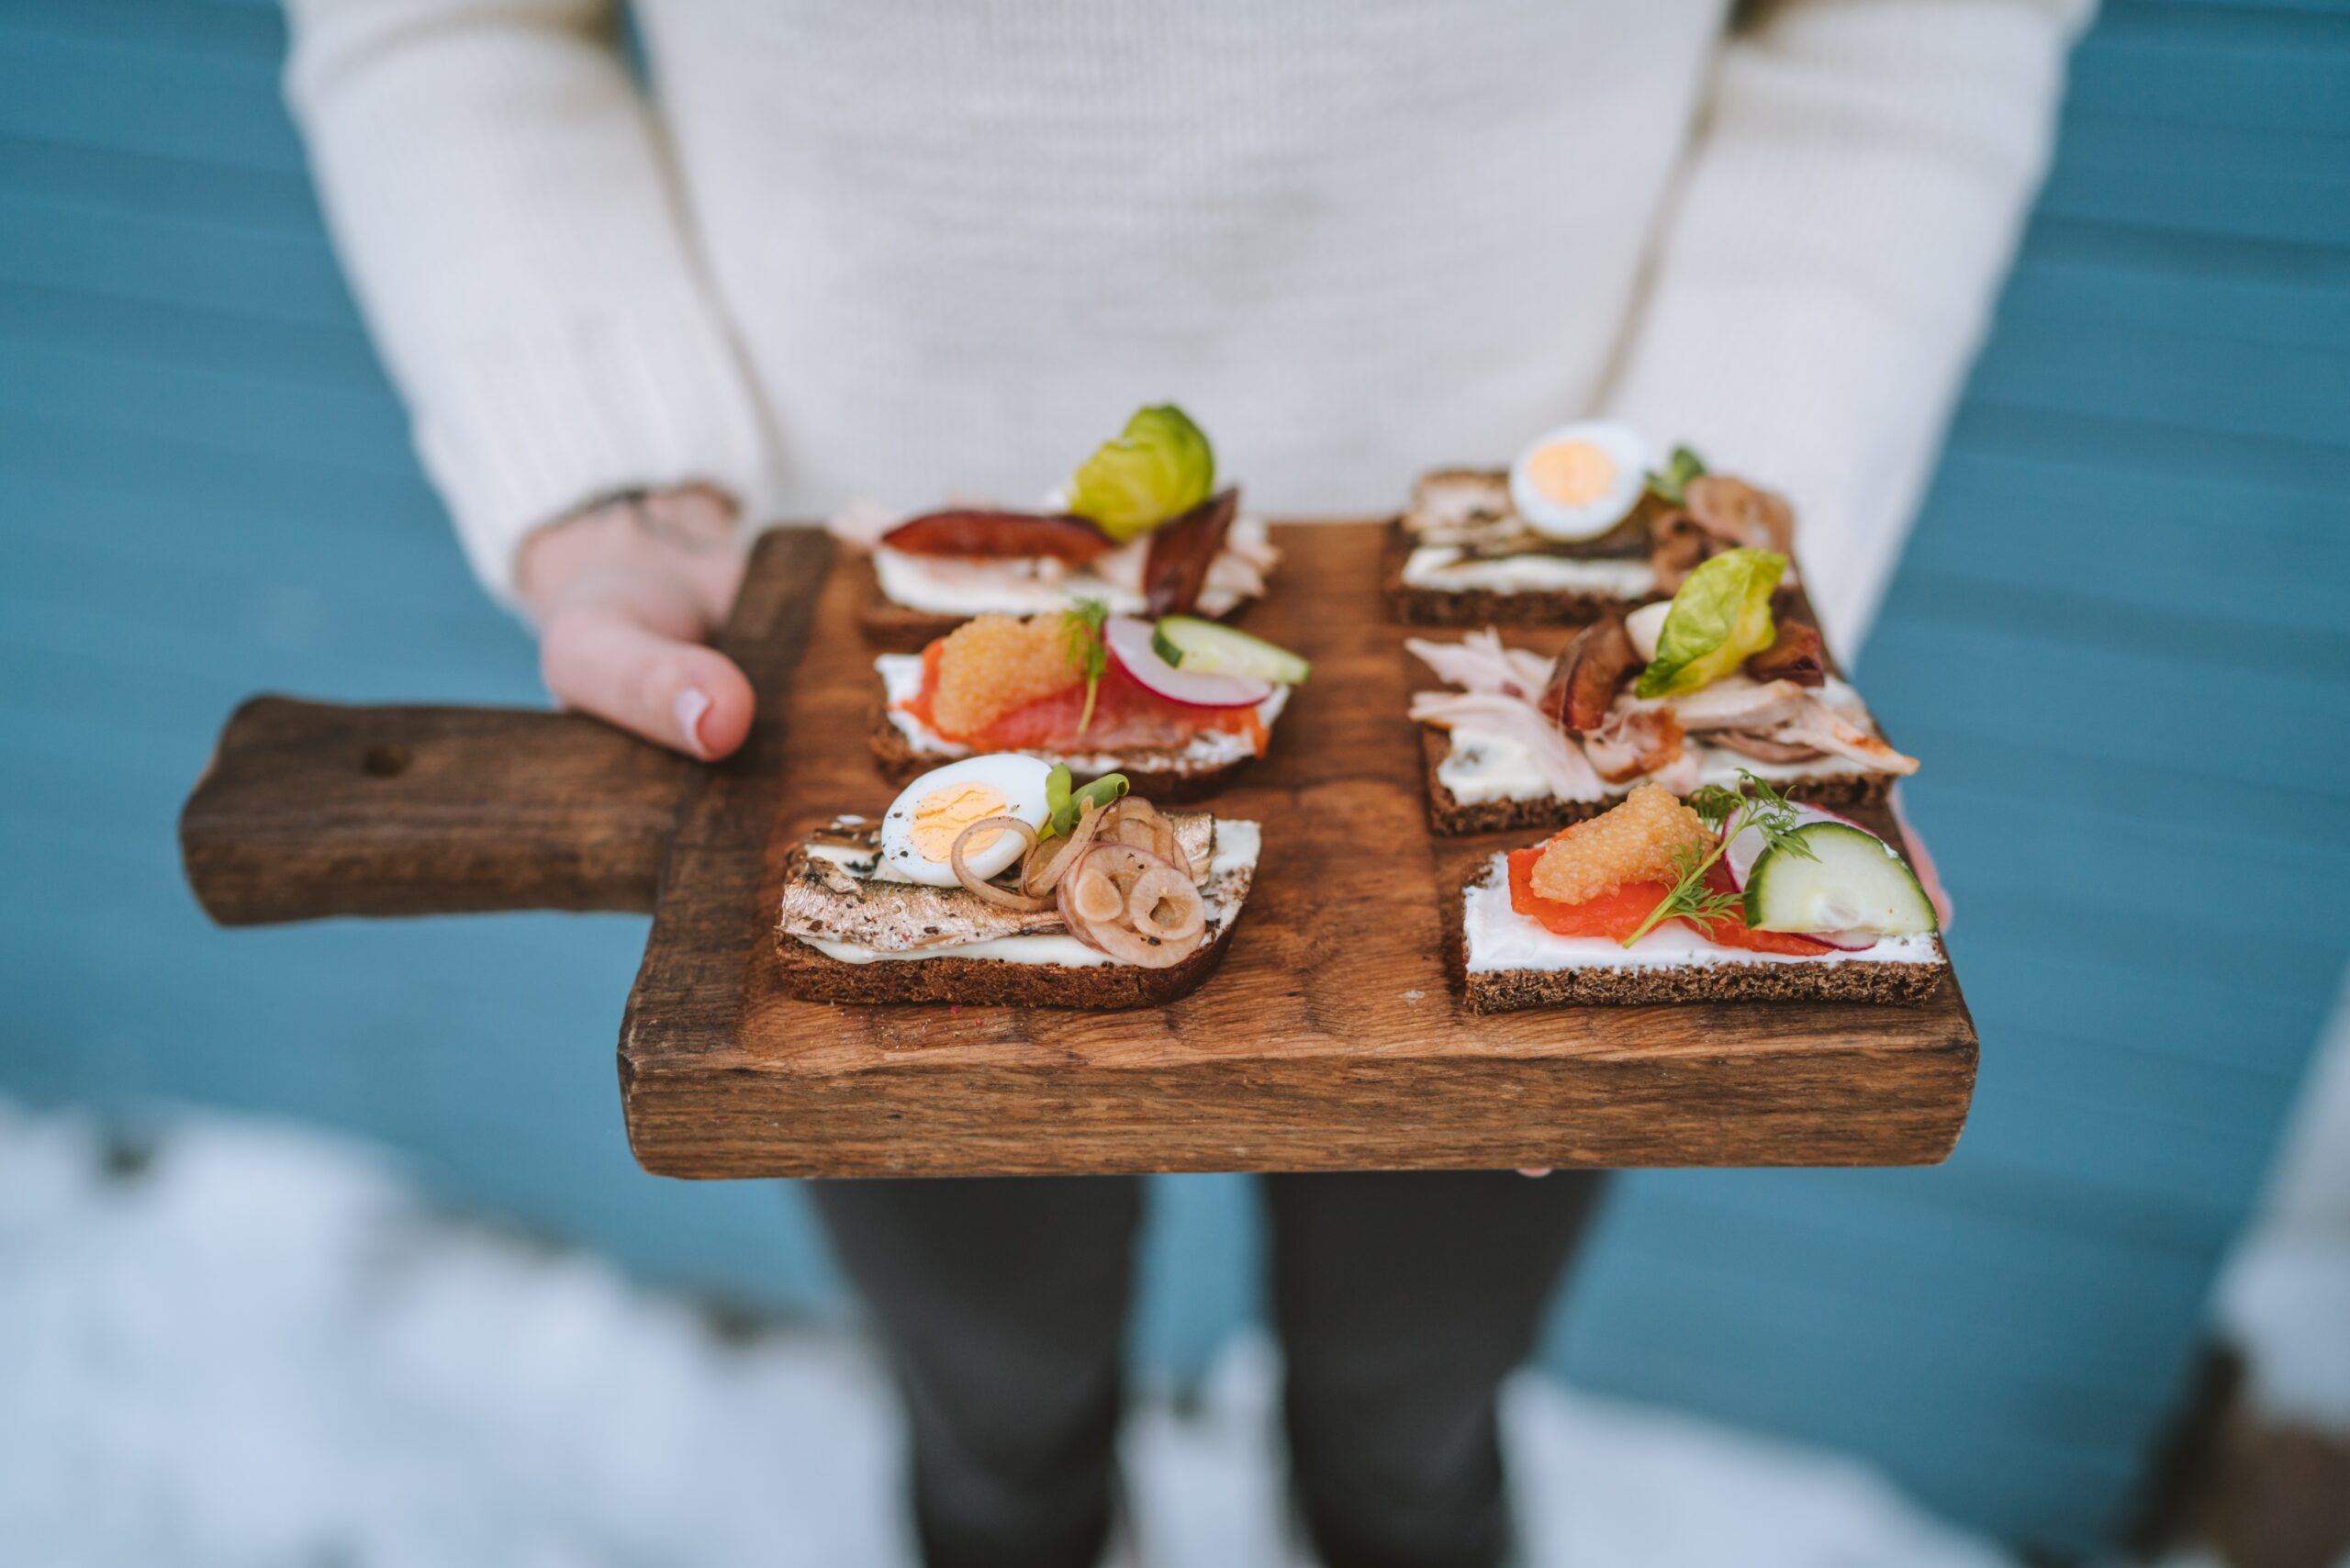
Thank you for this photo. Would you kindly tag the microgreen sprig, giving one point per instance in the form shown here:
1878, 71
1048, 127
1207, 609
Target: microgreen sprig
1726, 812
1081, 636
1672, 481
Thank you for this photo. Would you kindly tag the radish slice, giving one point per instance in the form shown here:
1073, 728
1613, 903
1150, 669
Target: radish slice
1747, 847
1846, 941
1128, 638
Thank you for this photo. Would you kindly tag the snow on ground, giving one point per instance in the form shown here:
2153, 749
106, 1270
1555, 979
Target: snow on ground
258, 1347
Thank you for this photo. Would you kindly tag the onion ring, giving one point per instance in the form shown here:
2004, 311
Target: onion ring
1163, 886
1093, 889
1003, 898
1096, 903
1139, 824
1039, 877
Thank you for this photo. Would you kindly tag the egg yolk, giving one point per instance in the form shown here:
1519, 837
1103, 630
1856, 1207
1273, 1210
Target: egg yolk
942, 815
1572, 473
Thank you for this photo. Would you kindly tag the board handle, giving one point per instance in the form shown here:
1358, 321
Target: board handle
310, 810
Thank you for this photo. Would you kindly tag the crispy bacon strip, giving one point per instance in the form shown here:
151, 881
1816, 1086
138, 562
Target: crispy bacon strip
1796, 655
1181, 551
1589, 672
1000, 536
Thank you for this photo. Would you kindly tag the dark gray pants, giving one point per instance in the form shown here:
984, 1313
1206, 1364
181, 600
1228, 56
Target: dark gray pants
1402, 1299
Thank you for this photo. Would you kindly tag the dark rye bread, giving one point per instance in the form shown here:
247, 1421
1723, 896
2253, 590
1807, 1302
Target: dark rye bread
1416, 606
1450, 818
1156, 773
990, 983
1486, 607
1512, 991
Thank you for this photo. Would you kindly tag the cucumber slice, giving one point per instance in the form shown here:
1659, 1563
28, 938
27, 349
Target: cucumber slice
1852, 881
1210, 647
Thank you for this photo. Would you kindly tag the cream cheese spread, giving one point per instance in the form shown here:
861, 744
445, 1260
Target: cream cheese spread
941, 585
1231, 868
1481, 766
1448, 567
901, 681
1498, 938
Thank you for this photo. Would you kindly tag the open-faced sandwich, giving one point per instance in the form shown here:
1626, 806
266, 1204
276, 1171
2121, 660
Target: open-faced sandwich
1139, 527
998, 880
1728, 674
1581, 524
1733, 894
1176, 706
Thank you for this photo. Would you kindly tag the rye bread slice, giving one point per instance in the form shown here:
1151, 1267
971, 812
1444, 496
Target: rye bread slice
812, 976
1416, 606
1159, 773
1450, 818
1512, 991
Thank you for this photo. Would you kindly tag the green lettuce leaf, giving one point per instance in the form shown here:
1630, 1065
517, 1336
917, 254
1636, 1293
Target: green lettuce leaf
1160, 466
1721, 615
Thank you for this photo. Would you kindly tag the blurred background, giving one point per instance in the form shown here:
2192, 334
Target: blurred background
2120, 634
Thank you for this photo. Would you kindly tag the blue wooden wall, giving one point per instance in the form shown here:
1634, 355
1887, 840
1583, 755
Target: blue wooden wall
2122, 635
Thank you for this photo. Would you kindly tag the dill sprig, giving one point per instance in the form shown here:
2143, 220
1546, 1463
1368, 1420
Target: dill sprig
1081, 626
1728, 812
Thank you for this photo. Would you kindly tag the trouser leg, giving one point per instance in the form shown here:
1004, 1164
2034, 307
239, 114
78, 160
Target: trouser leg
1002, 1305
1403, 1299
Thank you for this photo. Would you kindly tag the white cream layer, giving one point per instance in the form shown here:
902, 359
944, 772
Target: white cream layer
937, 585
902, 682
1482, 766
1237, 844
1448, 567
1501, 938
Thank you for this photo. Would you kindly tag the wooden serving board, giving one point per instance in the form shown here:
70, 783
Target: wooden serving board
1331, 1038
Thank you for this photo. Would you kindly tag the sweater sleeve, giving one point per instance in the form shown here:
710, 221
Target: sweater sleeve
1827, 269
507, 217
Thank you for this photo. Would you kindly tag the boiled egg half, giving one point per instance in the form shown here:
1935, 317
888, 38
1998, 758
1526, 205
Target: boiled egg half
919, 830
1580, 480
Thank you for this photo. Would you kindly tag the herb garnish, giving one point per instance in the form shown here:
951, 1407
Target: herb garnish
1672, 481
1081, 626
1064, 807
1728, 812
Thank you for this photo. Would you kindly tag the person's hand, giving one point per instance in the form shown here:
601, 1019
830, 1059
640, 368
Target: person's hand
625, 596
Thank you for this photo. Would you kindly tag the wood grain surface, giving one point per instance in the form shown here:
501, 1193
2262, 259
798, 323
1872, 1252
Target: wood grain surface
1331, 1038
309, 810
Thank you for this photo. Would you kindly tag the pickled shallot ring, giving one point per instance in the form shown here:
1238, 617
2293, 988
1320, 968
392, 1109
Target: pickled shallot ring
1098, 903
1039, 878
1000, 536
1003, 898
1140, 825
1163, 886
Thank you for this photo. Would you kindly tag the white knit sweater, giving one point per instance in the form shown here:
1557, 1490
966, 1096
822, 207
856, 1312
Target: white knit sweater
909, 248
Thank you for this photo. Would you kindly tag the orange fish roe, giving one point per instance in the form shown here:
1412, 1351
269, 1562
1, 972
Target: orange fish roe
988, 667
1630, 843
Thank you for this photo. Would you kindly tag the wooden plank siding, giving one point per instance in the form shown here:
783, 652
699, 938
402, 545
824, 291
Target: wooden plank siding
2119, 637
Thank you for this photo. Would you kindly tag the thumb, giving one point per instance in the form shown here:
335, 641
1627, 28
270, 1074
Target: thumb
601, 659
